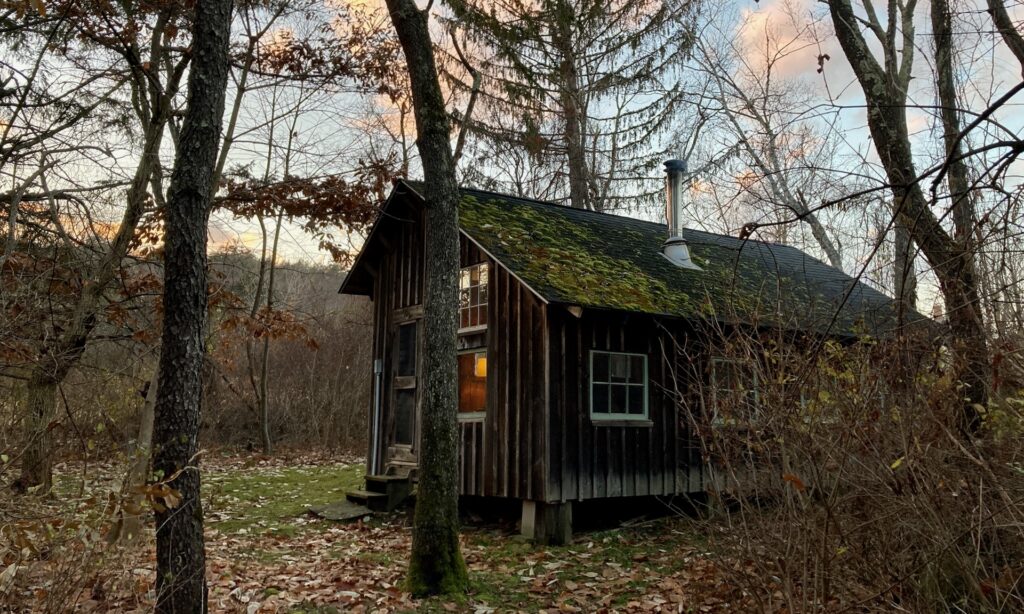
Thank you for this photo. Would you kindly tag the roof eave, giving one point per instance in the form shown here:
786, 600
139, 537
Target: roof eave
355, 281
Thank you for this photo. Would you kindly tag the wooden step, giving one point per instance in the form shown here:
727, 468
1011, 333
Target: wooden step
381, 483
395, 488
401, 468
376, 501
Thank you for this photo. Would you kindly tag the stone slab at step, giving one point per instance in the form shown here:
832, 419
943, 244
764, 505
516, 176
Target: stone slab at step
341, 510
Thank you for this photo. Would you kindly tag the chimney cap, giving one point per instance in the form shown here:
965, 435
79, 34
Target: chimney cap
675, 166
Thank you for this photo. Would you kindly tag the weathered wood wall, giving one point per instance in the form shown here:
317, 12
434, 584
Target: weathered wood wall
589, 459
397, 287
504, 456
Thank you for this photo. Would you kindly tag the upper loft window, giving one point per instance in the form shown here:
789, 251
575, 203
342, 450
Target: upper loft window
473, 297
618, 386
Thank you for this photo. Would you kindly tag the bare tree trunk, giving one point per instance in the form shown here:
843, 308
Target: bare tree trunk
963, 302
139, 472
957, 178
904, 275
579, 193
144, 440
952, 260
257, 299
180, 550
37, 461
264, 410
824, 241
436, 564
1007, 29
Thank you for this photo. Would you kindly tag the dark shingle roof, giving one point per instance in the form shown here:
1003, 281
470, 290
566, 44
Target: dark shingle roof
612, 262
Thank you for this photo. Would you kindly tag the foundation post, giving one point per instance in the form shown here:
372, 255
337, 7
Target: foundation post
547, 523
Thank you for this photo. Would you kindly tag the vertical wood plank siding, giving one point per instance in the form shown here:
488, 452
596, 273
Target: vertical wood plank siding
589, 460
504, 455
399, 284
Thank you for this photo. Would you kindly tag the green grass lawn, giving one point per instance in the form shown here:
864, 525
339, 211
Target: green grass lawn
274, 500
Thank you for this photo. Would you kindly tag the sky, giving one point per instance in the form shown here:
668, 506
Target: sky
797, 32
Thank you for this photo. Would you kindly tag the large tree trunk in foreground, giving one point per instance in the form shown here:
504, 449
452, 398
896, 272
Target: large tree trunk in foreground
180, 552
436, 564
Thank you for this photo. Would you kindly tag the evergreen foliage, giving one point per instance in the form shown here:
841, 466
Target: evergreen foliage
581, 94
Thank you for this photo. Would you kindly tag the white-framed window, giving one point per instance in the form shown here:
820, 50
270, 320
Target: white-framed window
618, 386
473, 297
735, 398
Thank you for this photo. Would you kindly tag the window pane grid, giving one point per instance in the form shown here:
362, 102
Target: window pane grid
618, 385
473, 296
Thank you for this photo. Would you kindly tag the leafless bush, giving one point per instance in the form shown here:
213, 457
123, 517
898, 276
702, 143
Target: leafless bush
318, 391
58, 551
846, 484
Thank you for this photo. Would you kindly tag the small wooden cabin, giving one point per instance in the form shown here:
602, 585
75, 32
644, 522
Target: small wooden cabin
572, 327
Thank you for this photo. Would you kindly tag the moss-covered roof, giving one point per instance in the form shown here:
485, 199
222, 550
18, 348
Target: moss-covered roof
613, 262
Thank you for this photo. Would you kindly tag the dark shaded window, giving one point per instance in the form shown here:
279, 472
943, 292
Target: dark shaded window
472, 382
473, 297
407, 349
618, 386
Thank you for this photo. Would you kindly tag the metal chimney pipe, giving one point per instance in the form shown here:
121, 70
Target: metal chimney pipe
675, 248
674, 171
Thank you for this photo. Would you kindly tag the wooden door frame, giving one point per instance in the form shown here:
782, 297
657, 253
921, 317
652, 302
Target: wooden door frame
405, 453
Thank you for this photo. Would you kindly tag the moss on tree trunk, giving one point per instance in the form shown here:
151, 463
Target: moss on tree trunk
436, 565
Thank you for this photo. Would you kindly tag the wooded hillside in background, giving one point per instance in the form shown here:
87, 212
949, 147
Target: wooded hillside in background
316, 371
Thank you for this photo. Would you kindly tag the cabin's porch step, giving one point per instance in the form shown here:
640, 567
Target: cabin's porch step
376, 501
383, 493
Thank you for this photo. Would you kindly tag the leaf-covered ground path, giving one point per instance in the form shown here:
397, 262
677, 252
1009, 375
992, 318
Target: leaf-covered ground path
266, 554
